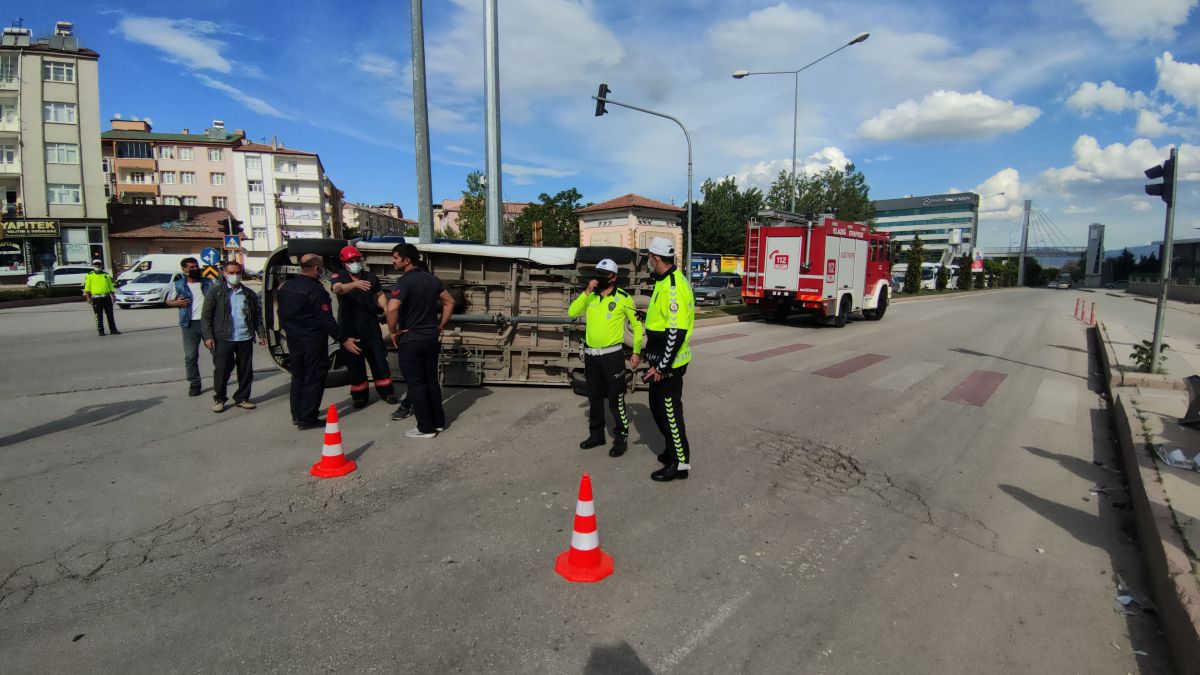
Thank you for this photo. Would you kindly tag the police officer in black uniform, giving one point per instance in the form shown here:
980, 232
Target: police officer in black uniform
308, 323
360, 299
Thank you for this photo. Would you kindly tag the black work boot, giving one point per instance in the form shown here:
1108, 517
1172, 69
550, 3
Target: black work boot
591, 442
619, 446
669, 473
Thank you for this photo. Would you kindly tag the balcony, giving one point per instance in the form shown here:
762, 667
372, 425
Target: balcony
299, 174
10, 127
134, 163
139, 188
10, 168
299, 198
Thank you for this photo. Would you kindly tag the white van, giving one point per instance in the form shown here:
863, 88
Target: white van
167, 263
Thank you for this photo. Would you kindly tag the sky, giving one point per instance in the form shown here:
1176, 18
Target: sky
1063, 102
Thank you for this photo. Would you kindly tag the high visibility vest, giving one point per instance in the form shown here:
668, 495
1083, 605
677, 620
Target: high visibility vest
606, 317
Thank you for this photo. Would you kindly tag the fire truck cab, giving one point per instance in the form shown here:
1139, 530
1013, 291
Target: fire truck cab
818, 266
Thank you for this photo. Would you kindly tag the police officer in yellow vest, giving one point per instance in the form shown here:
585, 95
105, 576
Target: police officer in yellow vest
669, 322
98, 290
608, 308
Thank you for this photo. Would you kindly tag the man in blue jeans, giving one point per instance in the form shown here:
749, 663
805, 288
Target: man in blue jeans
421, 304
231, 320
188, 295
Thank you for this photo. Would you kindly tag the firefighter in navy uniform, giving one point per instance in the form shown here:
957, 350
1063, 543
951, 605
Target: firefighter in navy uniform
669, 322
360, 295
306, 319
608, 308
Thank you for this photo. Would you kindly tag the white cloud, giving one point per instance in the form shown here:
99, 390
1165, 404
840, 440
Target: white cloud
256, 104
1103, 170
1179, 79
1075, 209
1150, 125
945, 115
762, 174
1007, 181
1106, 96
378, 66
184, 41
523, 175
1130, 20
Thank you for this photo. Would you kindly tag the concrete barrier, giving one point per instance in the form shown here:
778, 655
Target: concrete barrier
1174, 292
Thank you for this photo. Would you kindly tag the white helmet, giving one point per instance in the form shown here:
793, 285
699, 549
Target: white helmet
606, 265
661, 246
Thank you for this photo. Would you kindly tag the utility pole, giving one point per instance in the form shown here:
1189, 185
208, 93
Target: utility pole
421, 129
1024, 244
495, 203
1166, 190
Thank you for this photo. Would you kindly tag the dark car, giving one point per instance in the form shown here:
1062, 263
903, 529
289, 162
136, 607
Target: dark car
719, 289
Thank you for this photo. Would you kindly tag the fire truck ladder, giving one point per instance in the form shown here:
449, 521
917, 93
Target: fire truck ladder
754, 274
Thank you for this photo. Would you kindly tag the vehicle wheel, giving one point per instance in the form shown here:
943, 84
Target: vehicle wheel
41, 284
780, 315
326, 248
843, 314
123, 305
877, 313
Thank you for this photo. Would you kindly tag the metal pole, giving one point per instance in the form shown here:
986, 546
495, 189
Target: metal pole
687, 236
495, 204
421, 129
795, 123
1024, 244
1164, 274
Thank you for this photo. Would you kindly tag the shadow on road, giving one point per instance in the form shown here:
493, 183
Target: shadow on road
361, 450
96, 415
1077, 466
618, 658
643, 423
1069, 349
972, 352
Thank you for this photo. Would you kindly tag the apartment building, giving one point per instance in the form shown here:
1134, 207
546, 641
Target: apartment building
365, 219
281, 191
445, 215
185, 169
51, 180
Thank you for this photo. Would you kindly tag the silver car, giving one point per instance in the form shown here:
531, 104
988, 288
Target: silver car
147, 289
719, 289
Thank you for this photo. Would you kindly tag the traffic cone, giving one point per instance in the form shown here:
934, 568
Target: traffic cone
333, 462
584, 561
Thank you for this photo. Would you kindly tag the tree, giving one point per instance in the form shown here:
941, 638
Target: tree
724, 214
846, 192
1123, 265
472, 218
964, 272
943, 277
1147, 264
560, 225
916, 256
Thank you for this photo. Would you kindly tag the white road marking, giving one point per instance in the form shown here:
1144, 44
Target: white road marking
682, 651
1056, 400
819, 357
906, 377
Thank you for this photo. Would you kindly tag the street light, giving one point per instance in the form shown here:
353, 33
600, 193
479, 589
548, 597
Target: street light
739, 74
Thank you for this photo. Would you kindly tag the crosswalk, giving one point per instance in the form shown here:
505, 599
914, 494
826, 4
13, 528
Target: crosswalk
1056, 400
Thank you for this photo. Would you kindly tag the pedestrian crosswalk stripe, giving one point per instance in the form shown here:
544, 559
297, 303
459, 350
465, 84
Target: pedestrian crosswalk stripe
771, 353
1056, 400
907, 376
977, 388
851, 365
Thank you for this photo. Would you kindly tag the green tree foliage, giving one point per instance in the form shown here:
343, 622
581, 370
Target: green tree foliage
724, 214
964, 273
560, 225
916, 256
943, 278
846, 192
472, 219
1123, 265
1147, 264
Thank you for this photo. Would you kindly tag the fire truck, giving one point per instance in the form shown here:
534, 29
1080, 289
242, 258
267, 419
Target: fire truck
822, 267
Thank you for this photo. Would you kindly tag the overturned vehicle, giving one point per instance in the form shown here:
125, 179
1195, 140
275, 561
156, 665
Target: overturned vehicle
510, 323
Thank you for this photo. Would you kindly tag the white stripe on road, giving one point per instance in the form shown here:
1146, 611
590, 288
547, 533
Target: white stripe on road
1056, 400
696, 639
906, 377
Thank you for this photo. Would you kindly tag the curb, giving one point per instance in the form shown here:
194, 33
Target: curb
721, 320
38, 302
1117, 376
1168, 567
895, 300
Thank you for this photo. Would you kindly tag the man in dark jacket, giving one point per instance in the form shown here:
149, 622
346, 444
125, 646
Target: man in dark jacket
308, 323
420, 303
231, 319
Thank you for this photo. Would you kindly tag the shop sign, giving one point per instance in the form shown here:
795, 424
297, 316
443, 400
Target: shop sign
22, 228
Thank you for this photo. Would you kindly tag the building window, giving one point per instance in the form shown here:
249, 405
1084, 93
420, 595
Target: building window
58, 71
106, 165
186, 154
8, 154
289, 167
214, 154
134, 150
170, 201
8, 113
257, 210
220, 202
289, 188
139, 200
136, 177
62, 153
253, 161
63, 193
166, 152
187, 177
167, 177
259, 232
8, 68
216, 178
255, 186
62, 113
189, 200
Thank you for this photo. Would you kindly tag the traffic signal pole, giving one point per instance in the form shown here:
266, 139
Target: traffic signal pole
1164, 274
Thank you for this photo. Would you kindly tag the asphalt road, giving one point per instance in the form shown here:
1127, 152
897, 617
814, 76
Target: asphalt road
908, 496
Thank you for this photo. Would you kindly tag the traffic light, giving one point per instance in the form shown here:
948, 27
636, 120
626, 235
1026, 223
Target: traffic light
1165, 189
233, 226
601, 95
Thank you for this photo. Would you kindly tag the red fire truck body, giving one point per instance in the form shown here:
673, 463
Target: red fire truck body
828, 268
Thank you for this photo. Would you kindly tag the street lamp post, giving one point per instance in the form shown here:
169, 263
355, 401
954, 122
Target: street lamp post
739, 74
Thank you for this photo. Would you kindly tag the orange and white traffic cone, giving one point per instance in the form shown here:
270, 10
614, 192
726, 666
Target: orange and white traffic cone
333, 461
584, 561
1077, 301
1093, 320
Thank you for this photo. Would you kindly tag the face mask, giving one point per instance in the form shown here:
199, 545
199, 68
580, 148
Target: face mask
193, 274
233, 279
97, 268
602, 283
650, 265
354, 267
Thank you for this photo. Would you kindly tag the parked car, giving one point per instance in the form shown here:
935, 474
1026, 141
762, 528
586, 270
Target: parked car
1118, 285
65, 275
166, 263
146, 289
719, 289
